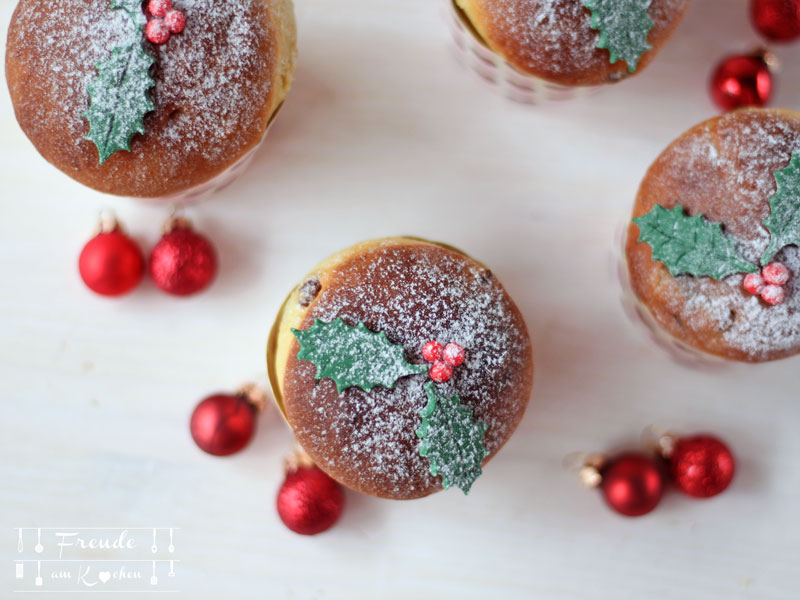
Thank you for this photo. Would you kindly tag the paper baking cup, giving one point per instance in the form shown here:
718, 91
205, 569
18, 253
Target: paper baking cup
640, 314
219, 182
505, 77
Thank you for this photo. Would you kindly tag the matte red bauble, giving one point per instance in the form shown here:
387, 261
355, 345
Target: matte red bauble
777, 20
701, 466
309, 501
632, 484
183, 262
111, 264
223, 424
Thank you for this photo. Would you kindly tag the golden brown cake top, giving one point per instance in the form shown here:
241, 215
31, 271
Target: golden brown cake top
554, 40
216, 85
414, 293
725, 170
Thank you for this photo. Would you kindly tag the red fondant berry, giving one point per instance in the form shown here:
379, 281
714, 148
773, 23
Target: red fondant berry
441, 372
159, 8
775, 274
175, 20
157, 31
453, 354
754, 283
432, 351
773, 294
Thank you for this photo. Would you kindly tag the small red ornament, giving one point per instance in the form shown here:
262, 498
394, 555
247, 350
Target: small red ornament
159, 8
309, 501
775, 274
773, 295
183, 262
441, 372
176, 21
632, 484
157, 31
432, 351
453, 354
778, 20
111, 263
223, 424
701, 466
742, 80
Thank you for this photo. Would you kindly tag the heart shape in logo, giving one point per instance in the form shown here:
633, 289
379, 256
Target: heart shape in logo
104, 576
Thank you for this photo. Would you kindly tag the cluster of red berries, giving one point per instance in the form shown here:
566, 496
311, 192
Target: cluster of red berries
769, 283
166, 21
444, 358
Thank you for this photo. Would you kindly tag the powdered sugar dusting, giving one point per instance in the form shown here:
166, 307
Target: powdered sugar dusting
554, 36
210, 80
725, 170
414, 296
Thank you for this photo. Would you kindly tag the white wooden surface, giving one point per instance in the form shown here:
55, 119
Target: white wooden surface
385, 133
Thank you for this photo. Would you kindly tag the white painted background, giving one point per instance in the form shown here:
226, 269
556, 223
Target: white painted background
384, 133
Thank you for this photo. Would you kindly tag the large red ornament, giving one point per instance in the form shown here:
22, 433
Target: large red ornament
309, 501
742, 80
223, 424
701, 466
111, 264
632, 484
183, 262
778, 20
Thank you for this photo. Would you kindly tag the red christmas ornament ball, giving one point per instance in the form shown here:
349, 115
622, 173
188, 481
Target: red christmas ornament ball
701, 466
309, 501
111, 264
741, 81
632, 484
778, 20
223, 424
183, 262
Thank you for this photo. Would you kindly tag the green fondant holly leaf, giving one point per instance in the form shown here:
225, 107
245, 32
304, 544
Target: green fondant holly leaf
690, 245
120, 93
133, 8
624, 26
451, 440
354, 356
784, 219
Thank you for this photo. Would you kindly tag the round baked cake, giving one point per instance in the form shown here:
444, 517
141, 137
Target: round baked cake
713, 251
401, 366
568, 43
87, 83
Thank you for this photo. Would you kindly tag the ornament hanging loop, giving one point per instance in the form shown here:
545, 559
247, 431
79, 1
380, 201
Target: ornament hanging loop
254, 395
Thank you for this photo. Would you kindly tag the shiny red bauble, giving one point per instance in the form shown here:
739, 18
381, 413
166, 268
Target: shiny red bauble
778, 20
632, 484
183, 262
701, 466
741, 80
309, 501
111, 264
223, 424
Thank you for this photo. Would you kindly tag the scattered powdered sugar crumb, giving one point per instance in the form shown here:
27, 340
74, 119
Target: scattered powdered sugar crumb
729, 169
546, 31
428, 298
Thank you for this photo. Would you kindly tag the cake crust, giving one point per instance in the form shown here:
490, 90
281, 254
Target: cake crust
217, 85
724, 169
553, 40
414, 292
